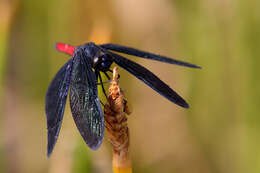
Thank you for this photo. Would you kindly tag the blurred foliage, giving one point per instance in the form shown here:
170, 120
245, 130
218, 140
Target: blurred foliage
82, 162
219, 133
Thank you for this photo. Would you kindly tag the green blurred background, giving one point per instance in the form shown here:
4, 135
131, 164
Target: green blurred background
220, 133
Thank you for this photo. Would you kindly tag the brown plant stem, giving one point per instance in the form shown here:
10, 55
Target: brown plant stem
116, 110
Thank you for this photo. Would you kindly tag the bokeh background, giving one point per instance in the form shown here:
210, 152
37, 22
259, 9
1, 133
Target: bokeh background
220, 133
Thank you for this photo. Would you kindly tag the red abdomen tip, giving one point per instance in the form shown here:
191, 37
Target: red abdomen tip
65, 48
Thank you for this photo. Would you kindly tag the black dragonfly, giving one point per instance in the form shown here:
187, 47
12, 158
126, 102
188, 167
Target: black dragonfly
81, 74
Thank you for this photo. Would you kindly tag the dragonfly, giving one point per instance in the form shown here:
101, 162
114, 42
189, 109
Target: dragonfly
80, 75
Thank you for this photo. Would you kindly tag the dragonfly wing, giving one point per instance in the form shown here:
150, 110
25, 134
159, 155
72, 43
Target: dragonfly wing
55, 103
147, 55
84, 102
149, 79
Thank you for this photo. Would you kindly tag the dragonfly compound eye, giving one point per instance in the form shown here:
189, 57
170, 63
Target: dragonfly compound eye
102, 63
106, 64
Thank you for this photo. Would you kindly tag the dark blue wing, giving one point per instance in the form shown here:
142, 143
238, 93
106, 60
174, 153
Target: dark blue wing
150, 79
147, 55
55, 103
84, 102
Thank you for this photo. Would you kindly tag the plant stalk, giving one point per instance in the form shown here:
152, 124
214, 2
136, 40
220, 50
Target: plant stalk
116, 110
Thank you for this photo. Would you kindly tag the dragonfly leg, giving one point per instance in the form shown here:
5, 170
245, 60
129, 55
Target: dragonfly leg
102, 103
109, 80
101, 82
108, 77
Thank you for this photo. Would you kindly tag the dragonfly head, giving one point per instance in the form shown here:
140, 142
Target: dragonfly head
101, 61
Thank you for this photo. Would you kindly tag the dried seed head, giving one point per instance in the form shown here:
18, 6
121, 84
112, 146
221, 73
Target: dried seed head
116, 110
